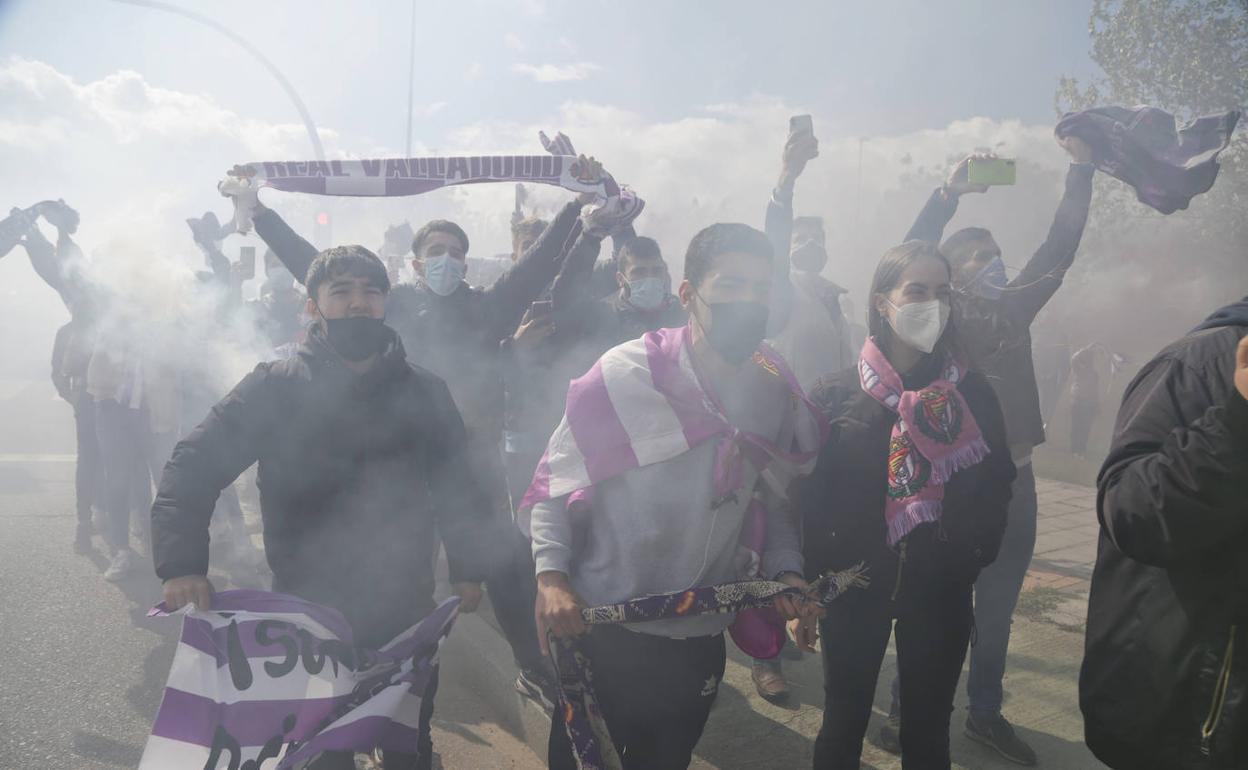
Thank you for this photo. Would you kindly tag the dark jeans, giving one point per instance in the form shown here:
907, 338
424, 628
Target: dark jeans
1082, 415
996, 594
513, 595
933, 626
132, 457
512, 586
655, 692
89, 471
393, 760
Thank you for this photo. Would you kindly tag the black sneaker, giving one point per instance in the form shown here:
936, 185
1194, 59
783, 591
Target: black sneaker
536, 685
995, 732
888, 737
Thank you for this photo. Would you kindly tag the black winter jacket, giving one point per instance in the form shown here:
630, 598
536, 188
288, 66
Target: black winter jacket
842, 502
358, 475
1165, 674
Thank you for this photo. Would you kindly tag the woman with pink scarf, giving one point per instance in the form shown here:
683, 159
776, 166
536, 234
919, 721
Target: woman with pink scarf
915, 480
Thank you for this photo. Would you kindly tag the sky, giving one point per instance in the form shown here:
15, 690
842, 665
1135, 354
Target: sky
871, 67
132, 114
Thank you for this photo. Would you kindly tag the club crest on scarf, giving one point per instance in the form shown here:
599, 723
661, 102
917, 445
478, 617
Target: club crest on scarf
908, 471
938, 416
933, 437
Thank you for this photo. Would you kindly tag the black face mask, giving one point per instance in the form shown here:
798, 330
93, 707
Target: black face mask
356, 338
736, 329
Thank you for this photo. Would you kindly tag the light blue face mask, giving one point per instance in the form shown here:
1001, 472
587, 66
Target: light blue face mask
991, 281
444, 274
647, 293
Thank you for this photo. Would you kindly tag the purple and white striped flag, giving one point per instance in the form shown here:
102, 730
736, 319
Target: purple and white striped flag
268, 677
388, 177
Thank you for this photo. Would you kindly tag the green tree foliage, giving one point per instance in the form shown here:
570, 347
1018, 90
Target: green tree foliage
1190, 58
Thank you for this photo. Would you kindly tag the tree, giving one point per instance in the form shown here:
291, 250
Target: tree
1190, 58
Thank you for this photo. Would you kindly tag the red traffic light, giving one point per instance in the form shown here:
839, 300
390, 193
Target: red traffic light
322, 218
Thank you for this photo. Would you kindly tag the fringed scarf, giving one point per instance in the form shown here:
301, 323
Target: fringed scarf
934, 437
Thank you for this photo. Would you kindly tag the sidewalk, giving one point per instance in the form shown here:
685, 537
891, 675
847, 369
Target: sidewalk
1041, 683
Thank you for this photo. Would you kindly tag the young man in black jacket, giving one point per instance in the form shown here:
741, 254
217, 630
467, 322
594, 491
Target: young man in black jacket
454, 330
362, 465
1165, 676
995, 324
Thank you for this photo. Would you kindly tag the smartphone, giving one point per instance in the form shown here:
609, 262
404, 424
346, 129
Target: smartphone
801, 124
247, 262
990, 171
540, 308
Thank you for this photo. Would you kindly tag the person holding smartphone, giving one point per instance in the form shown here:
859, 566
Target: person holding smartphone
996, 317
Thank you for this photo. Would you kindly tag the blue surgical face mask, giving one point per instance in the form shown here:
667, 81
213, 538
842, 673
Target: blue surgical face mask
444, 274
647, 293
991, 281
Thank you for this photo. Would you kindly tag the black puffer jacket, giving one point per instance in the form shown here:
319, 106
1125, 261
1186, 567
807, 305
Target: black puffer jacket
1165, 674
842, 502
358, 474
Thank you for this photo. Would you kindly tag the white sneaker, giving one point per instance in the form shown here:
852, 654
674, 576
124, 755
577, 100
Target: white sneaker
121, 565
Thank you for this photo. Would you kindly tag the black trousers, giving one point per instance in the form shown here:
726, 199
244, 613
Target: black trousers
1082, 416
89, 471
655, 692
513, 594
933, 625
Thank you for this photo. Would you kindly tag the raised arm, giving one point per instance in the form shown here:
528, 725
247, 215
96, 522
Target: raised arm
289, 247
573, 284
799, 149
44, 260
1172, 487
943, 203
516, 289
1044, 272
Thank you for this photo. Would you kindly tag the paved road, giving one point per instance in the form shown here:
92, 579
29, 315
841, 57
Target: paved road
84, 668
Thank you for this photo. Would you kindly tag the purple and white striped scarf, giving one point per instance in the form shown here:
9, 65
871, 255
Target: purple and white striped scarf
268, 676
643, 403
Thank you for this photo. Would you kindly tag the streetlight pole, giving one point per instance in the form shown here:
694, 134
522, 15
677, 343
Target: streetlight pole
317, 149
411, 82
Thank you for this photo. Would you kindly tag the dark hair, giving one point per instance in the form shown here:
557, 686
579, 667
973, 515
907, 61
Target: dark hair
639, 246
346, 260
808, 222
532, 226
723, 238
954, 247
439, 226
887, 275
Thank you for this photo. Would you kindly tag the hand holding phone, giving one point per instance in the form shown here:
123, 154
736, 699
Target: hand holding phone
991, 171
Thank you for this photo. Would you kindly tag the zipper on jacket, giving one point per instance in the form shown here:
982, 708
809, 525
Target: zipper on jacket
1220, 688
901, 562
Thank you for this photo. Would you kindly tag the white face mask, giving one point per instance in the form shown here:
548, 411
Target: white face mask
647, 293
920, 324
444, 274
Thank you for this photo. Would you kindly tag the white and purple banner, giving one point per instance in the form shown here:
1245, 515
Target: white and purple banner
388, 177
265, 681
